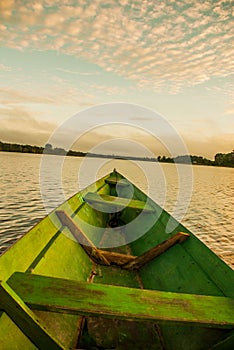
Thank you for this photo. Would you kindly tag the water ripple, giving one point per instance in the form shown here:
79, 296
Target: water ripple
209, 216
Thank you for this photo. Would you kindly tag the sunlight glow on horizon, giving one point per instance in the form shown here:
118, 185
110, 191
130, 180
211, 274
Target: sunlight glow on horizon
173, 57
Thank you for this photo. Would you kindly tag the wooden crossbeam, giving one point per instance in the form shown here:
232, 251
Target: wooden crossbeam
66, 296
117, 203
97, 255
131, 262
118, 259
127, 262
152, 253
25, 319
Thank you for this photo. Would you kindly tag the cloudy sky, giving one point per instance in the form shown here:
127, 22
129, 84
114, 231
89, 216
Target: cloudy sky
173, 57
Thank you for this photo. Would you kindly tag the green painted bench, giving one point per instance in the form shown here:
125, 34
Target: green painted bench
117, 203
62, 295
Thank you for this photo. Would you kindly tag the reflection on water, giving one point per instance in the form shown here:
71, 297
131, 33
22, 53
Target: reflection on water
208, 213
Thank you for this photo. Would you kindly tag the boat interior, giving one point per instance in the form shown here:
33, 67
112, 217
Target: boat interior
110, 269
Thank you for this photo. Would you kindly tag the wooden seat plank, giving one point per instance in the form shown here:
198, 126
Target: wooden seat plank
117, 203
60, 295
119, 182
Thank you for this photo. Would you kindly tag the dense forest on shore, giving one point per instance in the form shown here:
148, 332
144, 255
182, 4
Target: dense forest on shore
220, 159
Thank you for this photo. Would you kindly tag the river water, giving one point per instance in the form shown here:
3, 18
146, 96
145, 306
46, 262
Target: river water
198, 196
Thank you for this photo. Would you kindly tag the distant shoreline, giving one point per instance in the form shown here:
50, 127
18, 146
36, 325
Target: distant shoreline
221, 159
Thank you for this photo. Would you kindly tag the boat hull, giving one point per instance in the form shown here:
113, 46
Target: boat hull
186, 276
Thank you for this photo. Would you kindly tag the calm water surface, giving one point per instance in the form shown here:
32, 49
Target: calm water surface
208, 213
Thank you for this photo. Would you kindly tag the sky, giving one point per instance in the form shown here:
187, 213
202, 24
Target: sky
171, 58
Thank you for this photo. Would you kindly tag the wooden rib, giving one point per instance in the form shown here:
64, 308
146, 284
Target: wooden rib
127, 262
81, 237
152, 253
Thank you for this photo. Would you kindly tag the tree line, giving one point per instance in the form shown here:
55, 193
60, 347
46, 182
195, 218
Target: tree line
220, 159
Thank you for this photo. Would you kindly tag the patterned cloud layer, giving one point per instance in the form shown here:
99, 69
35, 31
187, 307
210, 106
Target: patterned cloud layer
160, 45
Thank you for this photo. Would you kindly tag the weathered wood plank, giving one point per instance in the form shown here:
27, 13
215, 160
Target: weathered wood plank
117, 203
80, 236
152, 253
130, 262
115, 258
127, 262
25, 319
97, 255
83, 298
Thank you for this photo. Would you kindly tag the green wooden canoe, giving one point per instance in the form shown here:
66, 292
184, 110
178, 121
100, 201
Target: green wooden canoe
102, 272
